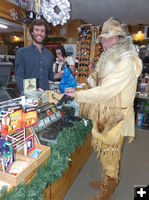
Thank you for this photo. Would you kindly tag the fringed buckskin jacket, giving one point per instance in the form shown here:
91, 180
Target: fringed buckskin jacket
109, 100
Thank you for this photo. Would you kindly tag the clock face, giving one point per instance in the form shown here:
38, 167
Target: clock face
29, 85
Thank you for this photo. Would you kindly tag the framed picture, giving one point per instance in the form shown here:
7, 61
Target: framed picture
29, 144
29, 85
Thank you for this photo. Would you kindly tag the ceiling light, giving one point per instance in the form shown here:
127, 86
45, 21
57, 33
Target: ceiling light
3, 26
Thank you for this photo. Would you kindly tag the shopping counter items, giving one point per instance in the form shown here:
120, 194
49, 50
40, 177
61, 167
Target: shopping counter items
41, 118
17, 142
60, 114
53, 85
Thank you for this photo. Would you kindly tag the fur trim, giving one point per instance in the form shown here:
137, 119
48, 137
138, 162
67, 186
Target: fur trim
110, 58
112, 28
105, 115
109, 156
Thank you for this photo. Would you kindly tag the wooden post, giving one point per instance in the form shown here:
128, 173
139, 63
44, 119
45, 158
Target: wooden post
27, 37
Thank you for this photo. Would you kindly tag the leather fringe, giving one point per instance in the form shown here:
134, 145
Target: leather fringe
104, 115
109, 156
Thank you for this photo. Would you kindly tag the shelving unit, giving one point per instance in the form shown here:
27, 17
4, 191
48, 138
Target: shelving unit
88, 51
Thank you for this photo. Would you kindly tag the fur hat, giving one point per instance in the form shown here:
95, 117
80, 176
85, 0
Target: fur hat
111, 28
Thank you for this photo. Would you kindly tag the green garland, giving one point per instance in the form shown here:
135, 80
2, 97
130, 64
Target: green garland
58, 162
55, 39
21, 43
141, 42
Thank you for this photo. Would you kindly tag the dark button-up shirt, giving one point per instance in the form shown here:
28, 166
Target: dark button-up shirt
30, 63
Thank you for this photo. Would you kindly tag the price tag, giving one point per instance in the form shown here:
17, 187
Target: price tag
58, 114
41, 123
35, 127
47, 120
53, 118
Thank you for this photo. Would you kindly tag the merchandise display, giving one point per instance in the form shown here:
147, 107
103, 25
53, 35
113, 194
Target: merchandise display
142, 94
68, 141
88, 51
45, 121
59, 114
18, 147
14, 118
20, 152
37, 97
47, 136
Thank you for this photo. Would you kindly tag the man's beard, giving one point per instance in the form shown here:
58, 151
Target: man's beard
34, 39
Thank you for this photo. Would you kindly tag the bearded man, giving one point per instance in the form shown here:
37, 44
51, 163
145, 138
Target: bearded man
35, 61
109, 102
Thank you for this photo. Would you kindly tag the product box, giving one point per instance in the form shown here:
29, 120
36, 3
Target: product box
29, 117
12, 120
37, 97
140, 120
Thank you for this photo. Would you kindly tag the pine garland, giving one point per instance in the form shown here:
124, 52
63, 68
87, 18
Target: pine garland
55, 39
58, 162
141, 42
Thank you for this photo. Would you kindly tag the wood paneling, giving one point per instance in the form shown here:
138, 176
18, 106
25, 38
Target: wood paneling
71, 30
5, 8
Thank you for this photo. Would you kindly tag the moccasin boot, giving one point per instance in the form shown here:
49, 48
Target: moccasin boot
107, 187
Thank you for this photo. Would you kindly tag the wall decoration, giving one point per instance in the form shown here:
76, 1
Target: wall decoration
55, 11
29, 144
13, 14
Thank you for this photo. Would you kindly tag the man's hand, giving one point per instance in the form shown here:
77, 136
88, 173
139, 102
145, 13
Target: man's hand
40, 89
61, 59
70, 91
58, 75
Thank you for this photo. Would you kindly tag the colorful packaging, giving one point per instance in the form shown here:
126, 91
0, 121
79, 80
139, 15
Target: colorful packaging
140, 120
29, 117
12, 120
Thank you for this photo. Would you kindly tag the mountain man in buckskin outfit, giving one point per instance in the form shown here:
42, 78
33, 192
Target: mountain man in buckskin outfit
109, 102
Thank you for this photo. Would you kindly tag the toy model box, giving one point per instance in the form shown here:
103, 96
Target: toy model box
37, 97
